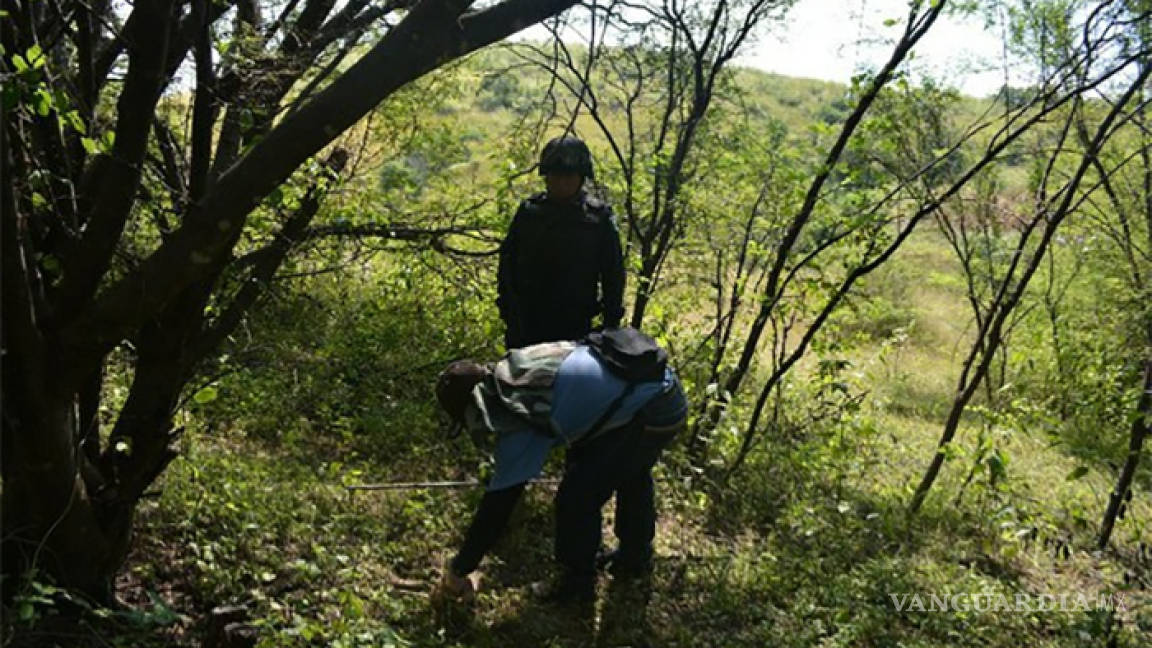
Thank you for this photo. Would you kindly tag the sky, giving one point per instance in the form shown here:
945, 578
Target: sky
821, 40
833, 39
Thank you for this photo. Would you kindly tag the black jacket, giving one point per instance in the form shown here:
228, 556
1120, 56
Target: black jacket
560, 265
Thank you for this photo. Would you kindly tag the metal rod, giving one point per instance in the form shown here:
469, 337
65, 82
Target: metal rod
433, 484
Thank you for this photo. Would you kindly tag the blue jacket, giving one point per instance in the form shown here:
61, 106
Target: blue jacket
581, 391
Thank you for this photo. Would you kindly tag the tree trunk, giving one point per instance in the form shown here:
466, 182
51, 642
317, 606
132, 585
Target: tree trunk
51, 523
643, 295
1140, 421
1135, 446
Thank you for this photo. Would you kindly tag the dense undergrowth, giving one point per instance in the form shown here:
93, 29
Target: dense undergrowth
808, 544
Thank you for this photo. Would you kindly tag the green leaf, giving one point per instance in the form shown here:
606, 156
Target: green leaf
26, 611
50, 263
34, 56
43, 100
45, 589
1079, 472
72, 117
206, 395
89, 145
11, 96
996, 463
950, 451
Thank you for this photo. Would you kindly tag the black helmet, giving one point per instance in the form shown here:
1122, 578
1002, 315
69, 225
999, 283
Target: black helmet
566, 155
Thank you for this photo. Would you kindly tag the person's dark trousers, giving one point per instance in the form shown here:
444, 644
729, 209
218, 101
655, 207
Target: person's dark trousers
635, 525
618, 461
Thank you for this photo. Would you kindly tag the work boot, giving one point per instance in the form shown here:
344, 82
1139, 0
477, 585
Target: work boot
566, 590
622, 566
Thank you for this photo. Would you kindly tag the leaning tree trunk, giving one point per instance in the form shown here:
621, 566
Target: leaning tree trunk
68, 510
1135, 447
774, 285
1141, 417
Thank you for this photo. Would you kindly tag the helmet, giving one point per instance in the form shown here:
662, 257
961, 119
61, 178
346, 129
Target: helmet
454, 386
566, 154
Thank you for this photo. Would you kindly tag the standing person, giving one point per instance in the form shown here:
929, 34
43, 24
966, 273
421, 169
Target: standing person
573, 395
561, 262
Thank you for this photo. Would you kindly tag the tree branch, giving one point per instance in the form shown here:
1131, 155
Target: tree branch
112, 179
204, 107
271, 257
431, 34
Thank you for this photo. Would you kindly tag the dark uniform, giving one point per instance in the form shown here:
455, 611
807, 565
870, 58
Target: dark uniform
560, 266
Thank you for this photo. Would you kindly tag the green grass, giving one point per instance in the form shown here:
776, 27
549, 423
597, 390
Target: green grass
806, 547
803, 550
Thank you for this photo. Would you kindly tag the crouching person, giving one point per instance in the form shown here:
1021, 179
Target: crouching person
613, 403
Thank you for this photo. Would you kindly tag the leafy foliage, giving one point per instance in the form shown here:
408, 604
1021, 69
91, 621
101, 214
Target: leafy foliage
326, 381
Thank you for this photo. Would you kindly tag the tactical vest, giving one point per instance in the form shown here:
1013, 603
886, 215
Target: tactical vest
558, 257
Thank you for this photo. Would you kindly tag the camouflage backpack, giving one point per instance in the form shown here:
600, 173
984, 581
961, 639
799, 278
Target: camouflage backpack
519, 390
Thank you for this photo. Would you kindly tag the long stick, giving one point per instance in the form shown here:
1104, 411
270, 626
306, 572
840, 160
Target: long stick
432, 484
